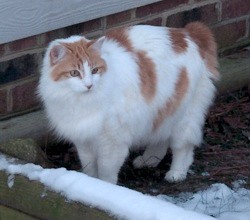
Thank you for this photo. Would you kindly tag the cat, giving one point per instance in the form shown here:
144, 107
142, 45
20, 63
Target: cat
136, 86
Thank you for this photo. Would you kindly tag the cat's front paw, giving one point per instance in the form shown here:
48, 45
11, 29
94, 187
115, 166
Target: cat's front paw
175, 176
140, 162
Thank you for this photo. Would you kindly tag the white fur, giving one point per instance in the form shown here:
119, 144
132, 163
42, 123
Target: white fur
107, 121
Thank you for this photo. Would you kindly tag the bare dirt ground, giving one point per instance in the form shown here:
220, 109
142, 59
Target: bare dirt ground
223, 157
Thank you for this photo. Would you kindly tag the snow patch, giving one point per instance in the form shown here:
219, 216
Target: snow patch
219, 201
44, 193
11, 179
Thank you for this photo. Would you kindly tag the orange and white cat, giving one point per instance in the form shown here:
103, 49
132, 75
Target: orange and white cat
137, 86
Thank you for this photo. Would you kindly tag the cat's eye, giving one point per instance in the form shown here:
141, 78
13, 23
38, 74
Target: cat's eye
95, 70
74, 73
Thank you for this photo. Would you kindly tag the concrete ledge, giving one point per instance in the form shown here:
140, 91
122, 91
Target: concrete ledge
33, 125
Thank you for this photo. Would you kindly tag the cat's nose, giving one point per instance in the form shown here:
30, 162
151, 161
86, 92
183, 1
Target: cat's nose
89, 86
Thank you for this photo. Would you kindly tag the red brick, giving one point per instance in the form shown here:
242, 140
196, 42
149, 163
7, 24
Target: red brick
118, 18
85, 27
207, 14
3, 102
2, 49
41, 39
155, 22
23, 44
93, 25
176, 20
20, 67
24, 96
158, 7
56, 34
228, 34
249, 31
235, 8
75, 29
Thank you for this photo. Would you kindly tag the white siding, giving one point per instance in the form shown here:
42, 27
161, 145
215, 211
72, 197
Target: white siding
24, 18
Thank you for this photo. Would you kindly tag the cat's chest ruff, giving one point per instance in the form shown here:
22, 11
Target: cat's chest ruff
77, 121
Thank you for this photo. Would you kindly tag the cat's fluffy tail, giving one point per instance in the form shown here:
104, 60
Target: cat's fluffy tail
204, 38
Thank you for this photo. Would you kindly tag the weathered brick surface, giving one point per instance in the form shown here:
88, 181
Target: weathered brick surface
74, 29
156, 22
24, 96
235, 8
41, 40
85, 27
248, 28
2, 49
118, 18
229, 34
92, 25
3, 102
56, 34
207, 14
20, 67
23, 44
158, 7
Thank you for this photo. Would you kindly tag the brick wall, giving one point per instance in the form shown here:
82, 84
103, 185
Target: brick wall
20, 60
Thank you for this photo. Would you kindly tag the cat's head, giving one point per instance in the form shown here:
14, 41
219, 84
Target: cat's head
75, 63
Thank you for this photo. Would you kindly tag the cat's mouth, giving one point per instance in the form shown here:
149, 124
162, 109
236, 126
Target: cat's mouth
87, 91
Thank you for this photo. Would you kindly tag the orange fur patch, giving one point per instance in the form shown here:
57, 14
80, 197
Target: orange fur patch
146, 66
177, 37
147, 75
120, 35
204, 39
173, 103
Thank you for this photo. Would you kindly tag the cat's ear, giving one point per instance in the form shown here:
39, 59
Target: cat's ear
97, 44
57, 52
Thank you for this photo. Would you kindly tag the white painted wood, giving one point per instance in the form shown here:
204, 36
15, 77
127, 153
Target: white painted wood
24, 18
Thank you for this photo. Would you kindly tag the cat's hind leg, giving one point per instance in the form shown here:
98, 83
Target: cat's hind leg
152, 155
182, 158
185, 136
188, 133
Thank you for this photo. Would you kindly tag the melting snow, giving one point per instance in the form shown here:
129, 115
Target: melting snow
10, 180
219, 201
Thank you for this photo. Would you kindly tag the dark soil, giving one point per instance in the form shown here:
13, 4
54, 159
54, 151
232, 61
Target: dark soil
223, 157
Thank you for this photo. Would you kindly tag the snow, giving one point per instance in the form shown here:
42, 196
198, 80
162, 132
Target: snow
218, 200
11, 180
